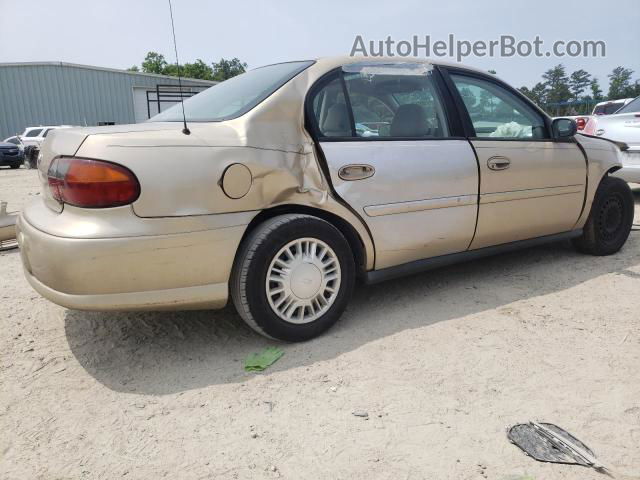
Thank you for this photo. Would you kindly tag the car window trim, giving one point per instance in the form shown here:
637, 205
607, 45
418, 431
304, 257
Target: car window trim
470, 131
456, 131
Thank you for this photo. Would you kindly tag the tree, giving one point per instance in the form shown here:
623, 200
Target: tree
538, 94
154, 63
578, 82
134, 68
226, 69
619, 83
492, 72
557, 85
596, 91
198, 69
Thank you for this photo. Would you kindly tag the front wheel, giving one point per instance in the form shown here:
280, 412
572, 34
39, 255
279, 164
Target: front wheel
293, 277
610, 220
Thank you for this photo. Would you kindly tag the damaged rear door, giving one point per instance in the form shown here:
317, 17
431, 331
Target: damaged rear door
393, 155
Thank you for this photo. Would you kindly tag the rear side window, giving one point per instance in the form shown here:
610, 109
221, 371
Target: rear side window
330, 111
33, 133
495, 112
384, 102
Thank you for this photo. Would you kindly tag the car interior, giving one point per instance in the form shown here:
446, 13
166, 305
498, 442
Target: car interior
382, 105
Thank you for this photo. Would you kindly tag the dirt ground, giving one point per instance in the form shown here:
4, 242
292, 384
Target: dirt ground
442, 362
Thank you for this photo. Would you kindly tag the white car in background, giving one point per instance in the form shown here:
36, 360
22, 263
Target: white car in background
603, 108
34, 136
610, 106
623, 126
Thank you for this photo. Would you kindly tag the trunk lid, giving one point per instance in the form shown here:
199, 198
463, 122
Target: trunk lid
624, 127
68, 141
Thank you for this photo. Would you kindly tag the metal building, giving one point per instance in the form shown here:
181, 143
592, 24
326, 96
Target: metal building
56, 93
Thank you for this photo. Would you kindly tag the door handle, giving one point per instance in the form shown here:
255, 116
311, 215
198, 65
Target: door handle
356, 172
498, 163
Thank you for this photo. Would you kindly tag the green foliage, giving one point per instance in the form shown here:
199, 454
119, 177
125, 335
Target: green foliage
620, 83
198, 69
226, 69
557, 84
155, 62
577, 93
538, 94
596, 91
578, 83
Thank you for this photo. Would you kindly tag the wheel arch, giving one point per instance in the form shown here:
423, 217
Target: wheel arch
350, 233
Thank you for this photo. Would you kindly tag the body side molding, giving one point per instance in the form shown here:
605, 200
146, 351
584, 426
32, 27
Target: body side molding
377, 276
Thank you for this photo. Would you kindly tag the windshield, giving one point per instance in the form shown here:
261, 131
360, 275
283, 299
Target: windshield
233, 97
631, 107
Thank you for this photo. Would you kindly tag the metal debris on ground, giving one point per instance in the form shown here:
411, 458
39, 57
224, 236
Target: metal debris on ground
257, 362
7, 229
360, 413
546, 442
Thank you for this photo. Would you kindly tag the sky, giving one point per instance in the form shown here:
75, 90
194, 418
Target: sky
119, 33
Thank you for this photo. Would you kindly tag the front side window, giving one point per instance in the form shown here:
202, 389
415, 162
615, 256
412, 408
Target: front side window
497, 113
384, 102
233, 97
33, 133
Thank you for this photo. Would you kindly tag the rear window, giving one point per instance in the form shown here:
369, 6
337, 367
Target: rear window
607, 109
33, 133
233, 97
631, 107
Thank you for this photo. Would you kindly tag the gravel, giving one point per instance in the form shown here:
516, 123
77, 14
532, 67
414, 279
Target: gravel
446, 360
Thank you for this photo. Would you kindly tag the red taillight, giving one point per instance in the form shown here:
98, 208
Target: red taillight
92, 183
581, 122
590, 127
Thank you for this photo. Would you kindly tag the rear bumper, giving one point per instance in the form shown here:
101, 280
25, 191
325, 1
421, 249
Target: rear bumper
187, 298
11, 159
185, 270
630, 171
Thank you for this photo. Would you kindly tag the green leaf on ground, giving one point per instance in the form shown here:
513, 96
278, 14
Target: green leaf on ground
257, 362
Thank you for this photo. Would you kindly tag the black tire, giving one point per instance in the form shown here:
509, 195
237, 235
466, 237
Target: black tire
259, 249
610, 219
15, 165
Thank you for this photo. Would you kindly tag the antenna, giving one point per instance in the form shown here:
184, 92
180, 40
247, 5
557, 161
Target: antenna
185, 130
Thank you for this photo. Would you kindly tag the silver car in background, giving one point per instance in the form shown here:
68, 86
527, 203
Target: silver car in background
622, 126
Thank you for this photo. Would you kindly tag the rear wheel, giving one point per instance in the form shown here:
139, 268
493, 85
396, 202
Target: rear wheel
15, 165
610, 220
293, 277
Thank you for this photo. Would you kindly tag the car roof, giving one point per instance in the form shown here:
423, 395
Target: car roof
619, 100
337, 61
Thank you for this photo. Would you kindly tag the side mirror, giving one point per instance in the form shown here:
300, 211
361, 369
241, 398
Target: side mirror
564, 128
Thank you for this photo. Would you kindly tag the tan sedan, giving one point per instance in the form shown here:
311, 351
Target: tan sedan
293, 180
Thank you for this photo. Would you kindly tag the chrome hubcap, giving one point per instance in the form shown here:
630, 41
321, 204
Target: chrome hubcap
303, 280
